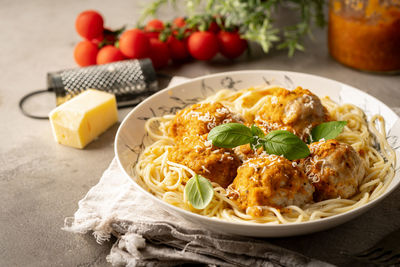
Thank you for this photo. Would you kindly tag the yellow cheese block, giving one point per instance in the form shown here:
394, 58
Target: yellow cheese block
80, 120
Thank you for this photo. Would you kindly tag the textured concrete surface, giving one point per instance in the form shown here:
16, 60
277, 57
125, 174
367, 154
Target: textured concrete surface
41, 181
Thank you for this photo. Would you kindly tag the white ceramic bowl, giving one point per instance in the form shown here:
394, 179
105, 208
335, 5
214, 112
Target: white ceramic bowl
131, 137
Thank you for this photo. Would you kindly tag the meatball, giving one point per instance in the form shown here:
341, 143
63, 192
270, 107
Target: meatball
199, 119
244, 152
335, 169
269, 180
297, 111
219, 165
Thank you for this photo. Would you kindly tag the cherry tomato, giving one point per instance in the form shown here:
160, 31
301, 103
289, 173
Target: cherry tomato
214, 28
85, 53
153, 28
134, 44
154, 25
179, 22
159, 53
230, 44
108, 54
203, 45
178, 48
89, 24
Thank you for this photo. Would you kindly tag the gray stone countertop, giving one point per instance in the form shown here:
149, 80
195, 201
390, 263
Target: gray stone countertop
41, 182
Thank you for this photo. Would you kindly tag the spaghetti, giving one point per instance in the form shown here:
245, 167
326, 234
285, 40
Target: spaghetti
166, 179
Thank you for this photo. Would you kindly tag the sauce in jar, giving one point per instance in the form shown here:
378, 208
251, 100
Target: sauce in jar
365, 34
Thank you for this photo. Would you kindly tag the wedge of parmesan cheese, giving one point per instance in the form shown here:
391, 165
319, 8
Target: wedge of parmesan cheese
80, 120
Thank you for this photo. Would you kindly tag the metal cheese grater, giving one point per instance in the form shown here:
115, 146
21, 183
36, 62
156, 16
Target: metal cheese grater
125, 79
130, 81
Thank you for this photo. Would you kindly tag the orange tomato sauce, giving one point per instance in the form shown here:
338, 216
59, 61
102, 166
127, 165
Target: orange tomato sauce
371, 44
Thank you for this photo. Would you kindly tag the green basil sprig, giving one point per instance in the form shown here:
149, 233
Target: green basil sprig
327, 130
278, 142
199, 191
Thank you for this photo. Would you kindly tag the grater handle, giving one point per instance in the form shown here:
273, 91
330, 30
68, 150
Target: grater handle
25, 97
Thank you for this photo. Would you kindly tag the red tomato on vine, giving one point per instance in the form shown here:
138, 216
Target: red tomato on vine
89, 24
159, 53
134, 44
85, 53
154, 25
230, 44
153, 28
203, 45
214, 28
179, 22
178, 48
108, 54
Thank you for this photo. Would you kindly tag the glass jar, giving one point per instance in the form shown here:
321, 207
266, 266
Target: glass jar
365, 34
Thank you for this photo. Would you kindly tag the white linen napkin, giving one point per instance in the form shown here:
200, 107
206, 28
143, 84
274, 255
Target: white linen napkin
150, 236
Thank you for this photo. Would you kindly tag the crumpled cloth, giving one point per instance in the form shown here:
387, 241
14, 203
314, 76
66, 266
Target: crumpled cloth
150, 236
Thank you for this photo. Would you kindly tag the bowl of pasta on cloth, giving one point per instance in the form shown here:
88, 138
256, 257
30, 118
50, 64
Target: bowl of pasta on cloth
262, 153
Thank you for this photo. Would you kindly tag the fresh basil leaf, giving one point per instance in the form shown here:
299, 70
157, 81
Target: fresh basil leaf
327, 130
230, 135
199, 191
256, 131
285, 143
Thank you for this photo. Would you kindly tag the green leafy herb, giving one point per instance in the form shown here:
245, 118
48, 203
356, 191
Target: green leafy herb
327, 130
285, 143
199, 191
276, 142
256, 131
230, 135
